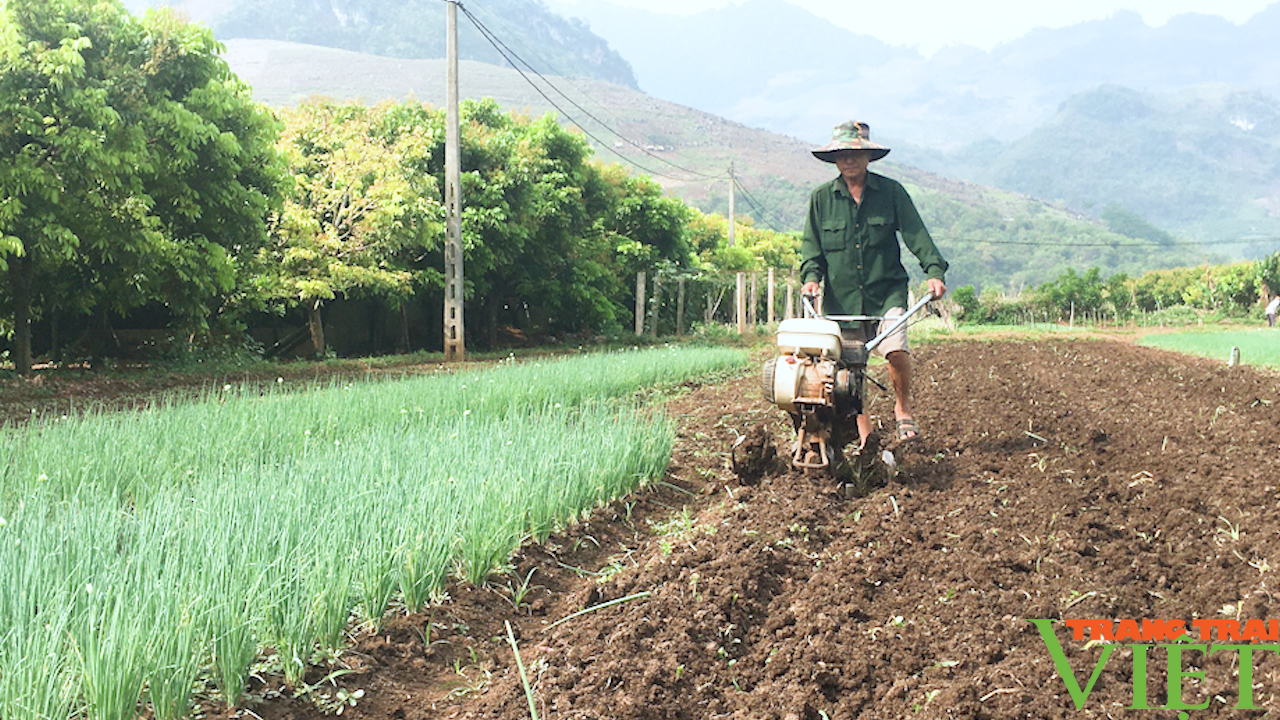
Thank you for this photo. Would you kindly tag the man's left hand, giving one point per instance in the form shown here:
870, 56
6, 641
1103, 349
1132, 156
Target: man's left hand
938, 288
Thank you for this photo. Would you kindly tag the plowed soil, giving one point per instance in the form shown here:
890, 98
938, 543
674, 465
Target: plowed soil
1057, 479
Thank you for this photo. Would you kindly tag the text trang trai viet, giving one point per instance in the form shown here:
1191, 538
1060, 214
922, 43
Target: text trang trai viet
1179, 642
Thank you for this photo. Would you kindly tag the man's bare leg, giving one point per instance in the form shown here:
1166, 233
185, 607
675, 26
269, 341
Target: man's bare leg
900, 376
864, 429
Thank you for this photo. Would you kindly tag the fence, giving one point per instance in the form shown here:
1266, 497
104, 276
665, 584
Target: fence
669, 303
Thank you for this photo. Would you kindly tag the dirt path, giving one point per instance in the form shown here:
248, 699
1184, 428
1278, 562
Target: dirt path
1061, 479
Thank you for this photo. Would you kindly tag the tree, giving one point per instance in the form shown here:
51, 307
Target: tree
1269, 275
67, 151
359, 210
1071, 292
213, 175
138, 164
967, 298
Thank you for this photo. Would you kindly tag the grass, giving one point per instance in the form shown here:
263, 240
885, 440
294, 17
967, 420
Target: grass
142, 551
1259, 346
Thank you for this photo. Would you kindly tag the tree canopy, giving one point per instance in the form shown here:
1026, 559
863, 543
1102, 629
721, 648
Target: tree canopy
139, 167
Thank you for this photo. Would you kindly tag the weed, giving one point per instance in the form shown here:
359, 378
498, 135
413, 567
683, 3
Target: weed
1232, 531
519, 592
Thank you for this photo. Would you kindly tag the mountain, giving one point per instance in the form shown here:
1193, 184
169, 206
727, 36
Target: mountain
1202, 161
719, 60
1169, 122
992, 237
525, 30
773, 65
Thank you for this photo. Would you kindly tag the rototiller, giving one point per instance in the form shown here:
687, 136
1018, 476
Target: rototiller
818, 380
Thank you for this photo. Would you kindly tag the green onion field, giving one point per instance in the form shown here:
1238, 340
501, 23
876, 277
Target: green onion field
146, 553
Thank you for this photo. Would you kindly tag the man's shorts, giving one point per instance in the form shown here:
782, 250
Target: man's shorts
864, 332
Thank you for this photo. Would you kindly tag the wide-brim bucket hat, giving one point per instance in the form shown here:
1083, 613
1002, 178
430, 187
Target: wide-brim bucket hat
852, 135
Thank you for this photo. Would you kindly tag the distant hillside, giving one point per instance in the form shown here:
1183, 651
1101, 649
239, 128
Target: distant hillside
770, 64
721, 60
990, 236
416, 29
1202, 162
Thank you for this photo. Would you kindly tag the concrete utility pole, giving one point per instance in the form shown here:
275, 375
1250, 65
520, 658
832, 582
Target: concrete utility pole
732, 192
455, 346
739, 290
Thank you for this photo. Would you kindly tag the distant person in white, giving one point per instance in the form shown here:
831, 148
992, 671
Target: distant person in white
1272, 308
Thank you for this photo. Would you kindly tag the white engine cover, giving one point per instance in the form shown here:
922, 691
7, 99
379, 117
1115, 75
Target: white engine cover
814, 337
787, 374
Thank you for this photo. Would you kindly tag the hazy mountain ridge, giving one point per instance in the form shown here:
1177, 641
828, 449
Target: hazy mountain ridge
776, 65
415, 29
777, 171
713, 59
957, 96
1053, 114
1201, 161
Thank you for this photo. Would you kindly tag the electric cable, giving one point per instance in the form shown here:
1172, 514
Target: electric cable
570, 80
759, 207
503, 50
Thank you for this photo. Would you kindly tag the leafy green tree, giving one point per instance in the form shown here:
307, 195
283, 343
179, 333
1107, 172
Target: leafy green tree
1118, 290
1224, 287
137, 164
1160, 289
65, 177
1269, 274
552, 238
1071, 291
213, 173
359, 209
967, 298
754, 248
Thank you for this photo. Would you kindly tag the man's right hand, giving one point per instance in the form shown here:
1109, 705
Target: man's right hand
809, 288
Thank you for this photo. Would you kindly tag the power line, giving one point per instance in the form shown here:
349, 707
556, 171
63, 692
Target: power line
561, 73
759, 208
503, 50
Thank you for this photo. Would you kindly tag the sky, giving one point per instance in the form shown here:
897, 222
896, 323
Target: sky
929, 25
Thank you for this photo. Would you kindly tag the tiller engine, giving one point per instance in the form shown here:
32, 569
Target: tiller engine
818, 379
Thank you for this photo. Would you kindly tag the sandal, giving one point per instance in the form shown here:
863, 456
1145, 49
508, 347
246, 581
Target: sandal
908, 430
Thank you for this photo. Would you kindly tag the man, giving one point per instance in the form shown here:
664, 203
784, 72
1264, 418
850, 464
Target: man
851, 243
1272, 308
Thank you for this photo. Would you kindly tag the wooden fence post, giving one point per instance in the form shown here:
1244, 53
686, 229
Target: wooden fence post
754, 301
656, 302
640, 304
791, 295
680, 306
770, 300
740, 301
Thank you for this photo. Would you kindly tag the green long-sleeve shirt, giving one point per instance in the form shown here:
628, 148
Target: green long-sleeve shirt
854, 247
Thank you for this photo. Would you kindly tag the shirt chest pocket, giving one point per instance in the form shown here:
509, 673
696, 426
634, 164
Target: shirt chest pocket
833, 235
880, 230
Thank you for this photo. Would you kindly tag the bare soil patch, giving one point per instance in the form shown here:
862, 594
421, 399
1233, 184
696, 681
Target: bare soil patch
1056, 479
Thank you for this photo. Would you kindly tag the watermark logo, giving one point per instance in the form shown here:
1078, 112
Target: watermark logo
1177, 640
